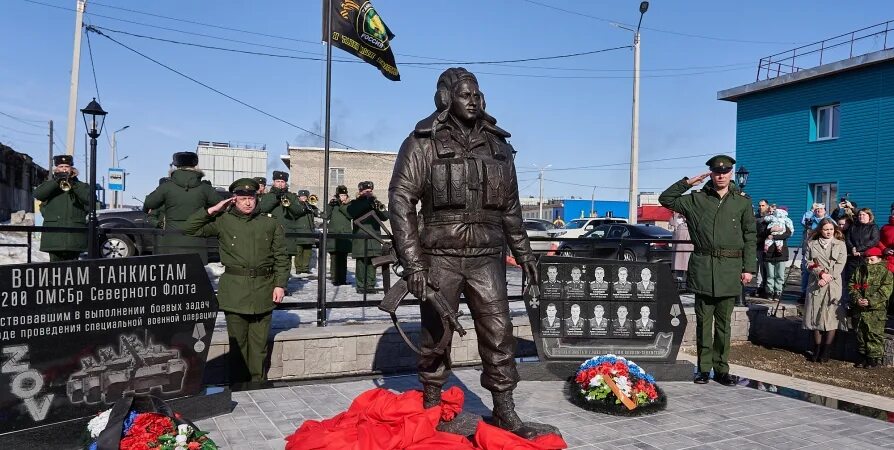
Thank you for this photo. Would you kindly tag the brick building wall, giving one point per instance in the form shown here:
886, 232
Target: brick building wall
347, 167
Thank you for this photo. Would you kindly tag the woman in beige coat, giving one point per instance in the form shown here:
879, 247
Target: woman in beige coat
681, 251
826, 256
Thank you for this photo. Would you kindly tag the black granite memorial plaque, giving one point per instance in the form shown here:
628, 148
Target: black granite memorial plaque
631, 309
76, 336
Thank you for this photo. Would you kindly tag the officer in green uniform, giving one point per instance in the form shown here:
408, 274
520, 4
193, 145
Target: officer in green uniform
870, 287
65, 201
185, 194
364, 250
304, 246
156, 217
252, 250
722, 229
339, 222
285, 207
262, 186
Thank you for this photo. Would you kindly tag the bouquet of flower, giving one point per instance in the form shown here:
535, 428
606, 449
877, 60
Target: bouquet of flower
614, 385
151, 431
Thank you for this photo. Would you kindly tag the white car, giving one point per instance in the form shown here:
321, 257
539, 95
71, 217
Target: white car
578, 227
541, 229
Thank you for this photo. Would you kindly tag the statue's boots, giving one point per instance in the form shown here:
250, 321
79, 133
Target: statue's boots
431, 396
504, 416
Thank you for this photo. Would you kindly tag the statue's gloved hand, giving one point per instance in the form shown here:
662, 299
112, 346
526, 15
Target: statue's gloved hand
417, 281
531, 272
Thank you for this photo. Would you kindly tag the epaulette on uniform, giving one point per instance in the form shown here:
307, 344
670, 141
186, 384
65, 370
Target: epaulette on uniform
268, 214
743, 194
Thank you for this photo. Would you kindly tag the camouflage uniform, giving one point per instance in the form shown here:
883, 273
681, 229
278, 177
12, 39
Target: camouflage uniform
874, 283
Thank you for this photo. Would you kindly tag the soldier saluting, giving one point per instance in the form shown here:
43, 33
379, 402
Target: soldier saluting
65, 201
457, 163
723, 232
252, 250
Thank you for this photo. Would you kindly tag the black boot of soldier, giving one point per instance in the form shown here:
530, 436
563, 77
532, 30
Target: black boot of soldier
431, 396
506, 418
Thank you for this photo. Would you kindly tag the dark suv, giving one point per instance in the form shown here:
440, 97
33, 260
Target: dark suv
118, 242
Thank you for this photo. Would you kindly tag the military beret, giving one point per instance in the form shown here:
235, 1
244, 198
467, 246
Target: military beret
364, 185
280, 175
63, 159
185, 159
874, 251
304, 193
341, 189
163, 180
721, 164
261, 180
244, 186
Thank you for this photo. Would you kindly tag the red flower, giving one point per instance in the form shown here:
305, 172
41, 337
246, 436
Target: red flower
194, 445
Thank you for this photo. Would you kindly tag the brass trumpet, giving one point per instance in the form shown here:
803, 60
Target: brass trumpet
285, 202
379, 205
63, 179
313, 199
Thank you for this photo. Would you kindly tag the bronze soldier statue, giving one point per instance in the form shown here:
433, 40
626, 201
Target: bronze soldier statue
458, 164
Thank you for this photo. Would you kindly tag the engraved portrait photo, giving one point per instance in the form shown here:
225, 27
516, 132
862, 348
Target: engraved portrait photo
575, 289
598, 324
551, 287
645, 326
574, 322
623, 288
645, 288
622, 326
551, 324
599, 286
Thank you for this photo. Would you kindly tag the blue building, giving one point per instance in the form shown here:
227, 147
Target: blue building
814, 135
578, 208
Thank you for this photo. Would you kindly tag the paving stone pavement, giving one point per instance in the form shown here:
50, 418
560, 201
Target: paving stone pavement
697, 417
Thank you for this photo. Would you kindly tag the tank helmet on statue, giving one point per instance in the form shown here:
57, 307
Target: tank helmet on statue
185, 159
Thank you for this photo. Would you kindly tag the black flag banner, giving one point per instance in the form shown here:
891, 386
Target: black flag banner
358, 29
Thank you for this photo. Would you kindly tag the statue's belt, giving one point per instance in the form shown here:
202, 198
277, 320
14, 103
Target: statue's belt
492, 217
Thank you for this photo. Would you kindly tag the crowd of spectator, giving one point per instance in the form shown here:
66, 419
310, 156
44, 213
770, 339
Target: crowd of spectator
847, 272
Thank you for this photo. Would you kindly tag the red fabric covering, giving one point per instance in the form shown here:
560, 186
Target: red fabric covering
379, 419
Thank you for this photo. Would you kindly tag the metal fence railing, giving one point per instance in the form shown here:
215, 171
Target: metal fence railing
646, 250
843, 46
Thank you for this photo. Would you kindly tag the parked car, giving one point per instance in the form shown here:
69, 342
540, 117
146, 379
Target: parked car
579, 227
622, 241
538, 228
123, 244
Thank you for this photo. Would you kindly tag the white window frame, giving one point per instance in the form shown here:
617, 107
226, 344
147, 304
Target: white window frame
336, 181
825, 193
834, 113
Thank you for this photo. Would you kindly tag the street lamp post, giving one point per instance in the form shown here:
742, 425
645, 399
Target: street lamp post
634, 128
94, 118
115, 160
741, 180
593, 203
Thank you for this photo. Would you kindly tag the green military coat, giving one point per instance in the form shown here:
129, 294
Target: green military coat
251, 241
720, 229
874, 285
339, 222
365, 248
180, 197
156, 218
63, 209
294, 219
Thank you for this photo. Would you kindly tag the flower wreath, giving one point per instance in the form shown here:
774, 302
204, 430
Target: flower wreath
614, 385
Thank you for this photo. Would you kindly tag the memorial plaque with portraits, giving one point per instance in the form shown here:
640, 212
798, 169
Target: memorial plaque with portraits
589, 307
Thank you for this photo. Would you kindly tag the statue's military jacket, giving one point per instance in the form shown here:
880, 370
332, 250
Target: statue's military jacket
468, 189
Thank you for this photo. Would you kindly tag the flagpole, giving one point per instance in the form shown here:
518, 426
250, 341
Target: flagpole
321, 275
